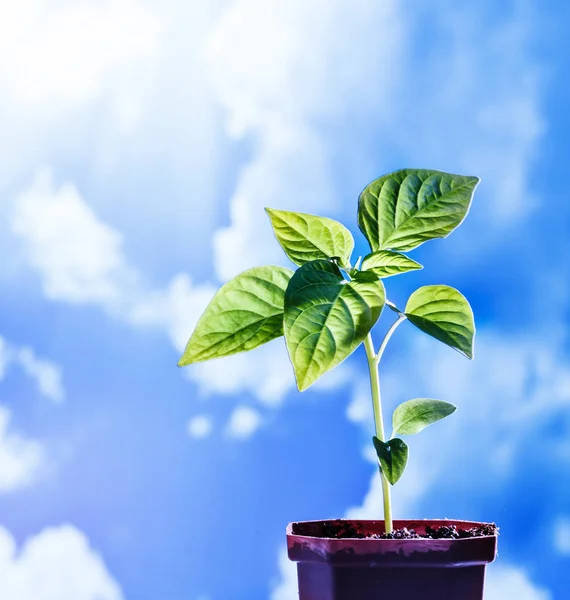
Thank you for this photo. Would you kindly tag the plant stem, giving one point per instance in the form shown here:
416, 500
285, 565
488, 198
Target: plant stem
373, 362
379, 425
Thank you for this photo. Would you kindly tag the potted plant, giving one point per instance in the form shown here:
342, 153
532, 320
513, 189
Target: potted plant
326, 309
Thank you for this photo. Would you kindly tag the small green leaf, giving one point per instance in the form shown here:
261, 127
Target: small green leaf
414, 415
308, 237
327, 317
245, 313
444, 313
404, 209
393, 457
386, 263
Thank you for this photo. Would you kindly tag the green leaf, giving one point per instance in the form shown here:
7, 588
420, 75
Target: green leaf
308, 237
414, 415
444, 313
245, 313
327, 317
393, 457
386, 263
406, 208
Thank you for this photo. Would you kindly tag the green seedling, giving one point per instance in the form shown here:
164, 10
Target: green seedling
327, 308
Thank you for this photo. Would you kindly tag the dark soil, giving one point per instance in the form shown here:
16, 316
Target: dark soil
341, 530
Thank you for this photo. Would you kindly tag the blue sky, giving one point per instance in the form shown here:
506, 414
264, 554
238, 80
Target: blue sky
141, 142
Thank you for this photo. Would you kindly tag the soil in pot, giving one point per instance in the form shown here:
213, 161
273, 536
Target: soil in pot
342, 529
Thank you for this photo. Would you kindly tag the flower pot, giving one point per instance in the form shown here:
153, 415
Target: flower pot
377, 569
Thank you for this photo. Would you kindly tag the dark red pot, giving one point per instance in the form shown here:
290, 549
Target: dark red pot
375, 569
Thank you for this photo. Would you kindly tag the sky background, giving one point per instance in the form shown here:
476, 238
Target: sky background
140, 142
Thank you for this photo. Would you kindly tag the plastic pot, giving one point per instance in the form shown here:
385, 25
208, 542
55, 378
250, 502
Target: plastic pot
376, 569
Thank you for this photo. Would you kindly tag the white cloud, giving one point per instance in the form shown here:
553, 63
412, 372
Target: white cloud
176, 309
484, 116
243, 423
56, 564
21, 459
359, 409
79, 258
305, 79
199, 427
47, 374
63, 63
265, 371
68, 53
562, 536
277, 74
286, 588
259, 53
249, 240
484, 394
511, 582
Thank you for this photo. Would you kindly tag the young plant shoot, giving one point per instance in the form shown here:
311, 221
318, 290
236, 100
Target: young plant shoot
327, 308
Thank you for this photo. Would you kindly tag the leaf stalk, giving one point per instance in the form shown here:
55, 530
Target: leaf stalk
401, 318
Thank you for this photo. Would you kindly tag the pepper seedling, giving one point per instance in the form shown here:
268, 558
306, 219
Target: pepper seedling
327, 308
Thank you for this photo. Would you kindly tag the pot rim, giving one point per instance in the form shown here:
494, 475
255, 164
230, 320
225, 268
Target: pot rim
402, 522
412, 552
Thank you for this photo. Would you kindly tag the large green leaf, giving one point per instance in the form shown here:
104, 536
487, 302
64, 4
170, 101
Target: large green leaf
406, 208
414, 415
386, 263
327, 317
393, 457
308, 237
444, 313
245, 313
